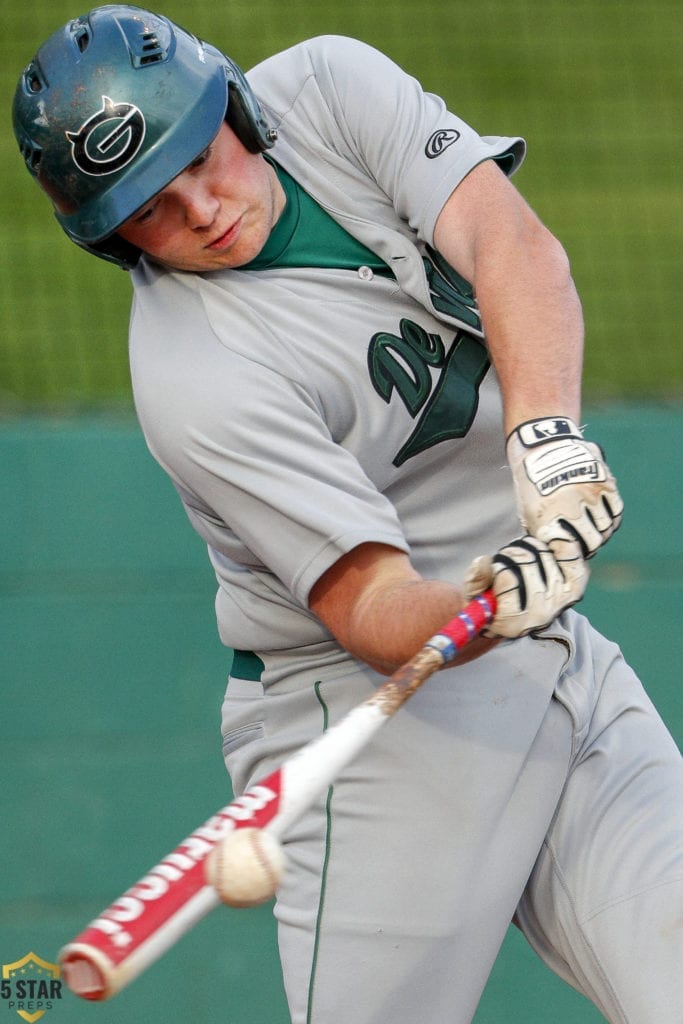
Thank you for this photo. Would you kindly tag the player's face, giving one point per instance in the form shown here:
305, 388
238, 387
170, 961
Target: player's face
216, 214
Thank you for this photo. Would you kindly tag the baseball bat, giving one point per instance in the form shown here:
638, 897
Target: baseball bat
173, 896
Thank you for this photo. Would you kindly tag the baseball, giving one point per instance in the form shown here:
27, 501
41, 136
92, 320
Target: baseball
246, 867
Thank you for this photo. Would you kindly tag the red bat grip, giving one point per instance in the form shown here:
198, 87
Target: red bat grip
465, 626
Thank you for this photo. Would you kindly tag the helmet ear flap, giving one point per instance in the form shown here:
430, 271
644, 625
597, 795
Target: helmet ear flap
244, 114
250, 134
115, 250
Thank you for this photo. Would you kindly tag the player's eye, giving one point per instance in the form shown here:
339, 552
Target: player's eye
147, 212
145, 215
202, 158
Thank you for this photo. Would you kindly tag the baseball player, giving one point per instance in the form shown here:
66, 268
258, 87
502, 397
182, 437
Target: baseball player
357, 353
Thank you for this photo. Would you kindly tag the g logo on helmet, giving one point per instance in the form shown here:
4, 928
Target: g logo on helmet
108, 141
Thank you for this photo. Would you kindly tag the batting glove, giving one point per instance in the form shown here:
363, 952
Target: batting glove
564, 488
532, 584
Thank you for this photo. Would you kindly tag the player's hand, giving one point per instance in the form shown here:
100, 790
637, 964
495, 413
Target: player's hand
564, 487
531, 583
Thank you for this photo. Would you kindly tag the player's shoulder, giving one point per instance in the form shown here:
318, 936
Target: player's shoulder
322, 57
326, 48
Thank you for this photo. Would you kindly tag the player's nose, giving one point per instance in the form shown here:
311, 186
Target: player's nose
201, 207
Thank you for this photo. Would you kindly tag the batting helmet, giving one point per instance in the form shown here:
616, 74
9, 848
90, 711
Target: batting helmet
113, 107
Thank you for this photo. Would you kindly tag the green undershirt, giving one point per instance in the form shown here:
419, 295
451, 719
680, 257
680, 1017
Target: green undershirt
306, 236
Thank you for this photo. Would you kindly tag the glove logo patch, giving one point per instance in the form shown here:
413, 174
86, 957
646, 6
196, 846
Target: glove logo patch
108, 141
539, 431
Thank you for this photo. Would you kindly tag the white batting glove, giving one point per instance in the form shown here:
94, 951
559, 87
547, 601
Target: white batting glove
531, 583
564, 488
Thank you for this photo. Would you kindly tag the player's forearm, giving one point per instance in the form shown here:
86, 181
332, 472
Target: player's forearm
389, 624
388, 630
534, 328
381, 610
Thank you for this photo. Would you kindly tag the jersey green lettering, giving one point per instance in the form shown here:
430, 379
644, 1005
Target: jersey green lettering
417, 350
450, 292
402, 364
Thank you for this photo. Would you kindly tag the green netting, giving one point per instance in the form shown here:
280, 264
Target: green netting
593, 85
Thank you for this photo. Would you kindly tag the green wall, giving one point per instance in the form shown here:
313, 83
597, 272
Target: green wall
593, 85
111, 684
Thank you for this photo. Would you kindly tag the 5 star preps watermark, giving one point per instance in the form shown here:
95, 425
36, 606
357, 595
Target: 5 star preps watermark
30, 987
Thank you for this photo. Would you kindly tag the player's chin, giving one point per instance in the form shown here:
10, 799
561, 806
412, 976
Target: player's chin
206, 260
202, 263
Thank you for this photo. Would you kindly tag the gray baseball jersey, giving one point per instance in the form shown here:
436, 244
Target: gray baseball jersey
331, 407
303, 410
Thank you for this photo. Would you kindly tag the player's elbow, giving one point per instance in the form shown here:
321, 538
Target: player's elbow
543, 251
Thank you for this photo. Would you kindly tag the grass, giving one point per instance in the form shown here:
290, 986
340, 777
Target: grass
592, 85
